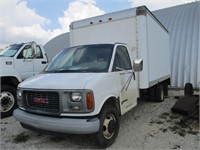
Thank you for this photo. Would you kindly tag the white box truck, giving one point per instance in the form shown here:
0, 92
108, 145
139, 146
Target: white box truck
114, 59
17, 63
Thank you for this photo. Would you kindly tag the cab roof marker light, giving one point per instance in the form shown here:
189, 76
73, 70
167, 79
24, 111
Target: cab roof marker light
141, 10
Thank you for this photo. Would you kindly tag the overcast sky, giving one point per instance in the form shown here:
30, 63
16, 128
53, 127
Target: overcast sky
41, 20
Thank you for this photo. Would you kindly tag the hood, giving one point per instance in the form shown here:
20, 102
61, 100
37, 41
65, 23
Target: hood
59, 81
6, 62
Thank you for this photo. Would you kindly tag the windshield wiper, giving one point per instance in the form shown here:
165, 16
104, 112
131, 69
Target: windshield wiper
66, 70
69, 71
61, 71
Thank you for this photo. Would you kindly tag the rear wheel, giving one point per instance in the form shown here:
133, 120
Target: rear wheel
7, 100
165, 88
188, 90
109, 126
159, 93
152, 93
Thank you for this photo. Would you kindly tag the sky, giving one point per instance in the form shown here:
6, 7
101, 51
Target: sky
41, 20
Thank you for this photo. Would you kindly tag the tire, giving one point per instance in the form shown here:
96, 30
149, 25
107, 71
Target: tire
159, 93
8, 100
165, 88
109, 126
152, 93
188, 90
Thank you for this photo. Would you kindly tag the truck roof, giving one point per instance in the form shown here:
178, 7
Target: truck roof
128, 13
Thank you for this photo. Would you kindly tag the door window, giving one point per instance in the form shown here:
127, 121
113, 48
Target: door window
122, 59
26, 53
38, 53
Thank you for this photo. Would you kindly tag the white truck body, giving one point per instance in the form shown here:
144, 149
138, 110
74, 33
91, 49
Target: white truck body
144, 35
17, 63
114, 59
23, 67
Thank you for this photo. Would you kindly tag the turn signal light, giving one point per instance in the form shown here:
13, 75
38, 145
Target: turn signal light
89, 101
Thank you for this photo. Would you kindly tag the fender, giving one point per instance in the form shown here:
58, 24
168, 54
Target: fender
104, 86
10, 73
106, 99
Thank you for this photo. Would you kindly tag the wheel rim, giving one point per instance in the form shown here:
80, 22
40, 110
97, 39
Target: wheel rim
109, 126
7, 101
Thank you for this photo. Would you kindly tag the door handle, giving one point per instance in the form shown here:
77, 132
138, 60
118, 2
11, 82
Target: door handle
44, 62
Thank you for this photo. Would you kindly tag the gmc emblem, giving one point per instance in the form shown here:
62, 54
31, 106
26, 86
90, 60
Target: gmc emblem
41, 100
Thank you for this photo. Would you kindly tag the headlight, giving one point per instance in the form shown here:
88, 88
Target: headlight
76, 97
79, 101
19, 98
19, 93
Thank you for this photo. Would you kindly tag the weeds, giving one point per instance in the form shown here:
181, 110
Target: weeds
3, 129
57, 139
176, 147
20, 138
163, 130
173, 122
164, 115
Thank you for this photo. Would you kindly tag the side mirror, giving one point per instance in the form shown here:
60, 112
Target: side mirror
34, 47
138, 65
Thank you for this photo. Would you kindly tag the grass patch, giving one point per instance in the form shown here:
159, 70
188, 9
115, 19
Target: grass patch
174, 128
163, 130
3, 129
173, 122
156, 122
182, 124
193, 132
182, 133
164, 115
173, 116
21, 138
136, 117
57, 139
176, 147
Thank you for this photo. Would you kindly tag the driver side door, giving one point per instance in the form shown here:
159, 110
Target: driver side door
24, 62
127, 84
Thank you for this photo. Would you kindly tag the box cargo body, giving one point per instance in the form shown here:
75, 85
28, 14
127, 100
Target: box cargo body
145, 36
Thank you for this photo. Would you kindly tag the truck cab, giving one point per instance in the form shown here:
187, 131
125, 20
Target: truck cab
79, 86
18, 62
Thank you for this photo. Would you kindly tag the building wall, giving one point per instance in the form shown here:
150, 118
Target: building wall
183, 24
57, 44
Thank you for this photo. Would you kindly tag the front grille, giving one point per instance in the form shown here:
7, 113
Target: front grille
42, 101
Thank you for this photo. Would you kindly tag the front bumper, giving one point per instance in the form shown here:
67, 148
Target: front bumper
62, 125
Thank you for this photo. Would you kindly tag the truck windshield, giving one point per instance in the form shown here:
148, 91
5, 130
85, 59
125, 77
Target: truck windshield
11, 50
88, 58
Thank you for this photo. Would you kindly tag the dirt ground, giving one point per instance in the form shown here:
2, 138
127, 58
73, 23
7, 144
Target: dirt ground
149, 125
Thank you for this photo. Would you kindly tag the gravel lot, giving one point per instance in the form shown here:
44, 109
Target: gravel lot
148, 126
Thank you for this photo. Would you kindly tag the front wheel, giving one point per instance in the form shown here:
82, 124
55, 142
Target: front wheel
109, 126
7, 100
